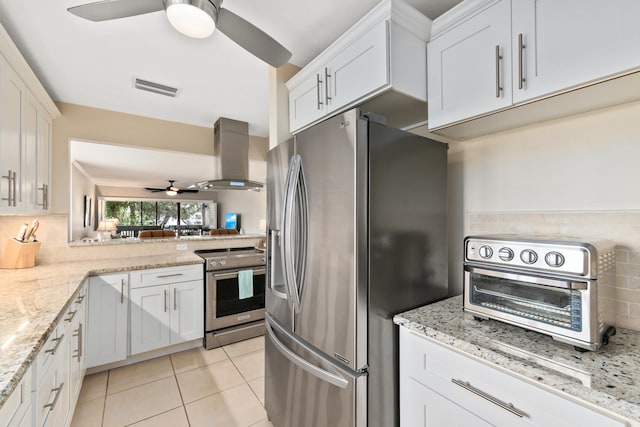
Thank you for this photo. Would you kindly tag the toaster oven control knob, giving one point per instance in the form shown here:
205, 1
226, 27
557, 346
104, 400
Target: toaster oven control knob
485, 251
528, 256
222, 262
554, 259
505, 254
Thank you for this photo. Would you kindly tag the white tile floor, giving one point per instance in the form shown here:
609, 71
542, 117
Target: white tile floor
219, 387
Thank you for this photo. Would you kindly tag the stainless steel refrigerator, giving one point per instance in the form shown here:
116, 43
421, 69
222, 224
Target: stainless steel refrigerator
356, 233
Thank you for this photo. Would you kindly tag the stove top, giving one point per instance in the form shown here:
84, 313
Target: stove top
225, 259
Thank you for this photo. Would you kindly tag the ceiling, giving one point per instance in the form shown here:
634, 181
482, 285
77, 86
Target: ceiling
95, 63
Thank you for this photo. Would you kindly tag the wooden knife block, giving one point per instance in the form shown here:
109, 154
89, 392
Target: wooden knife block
20, 255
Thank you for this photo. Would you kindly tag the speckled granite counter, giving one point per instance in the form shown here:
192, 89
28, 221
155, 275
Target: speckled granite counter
182, 239
609, 378
33, 299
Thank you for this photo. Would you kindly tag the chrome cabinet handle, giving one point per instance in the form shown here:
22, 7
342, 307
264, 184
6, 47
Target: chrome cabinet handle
121, 291
506, 406
521, 47
169, 275
72, 314
498, 58
80, 299
45, 191
165, 300
78, 333
318, 83
11, 188
55, 347
175, 299
52, 405
326, 85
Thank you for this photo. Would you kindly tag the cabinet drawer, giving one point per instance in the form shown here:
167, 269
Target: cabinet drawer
18, 402
167, 275
52, 401
463, 379
47, 354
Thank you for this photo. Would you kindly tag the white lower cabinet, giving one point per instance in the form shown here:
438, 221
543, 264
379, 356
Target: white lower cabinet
440, 386
16, 410
164, 313
107, 319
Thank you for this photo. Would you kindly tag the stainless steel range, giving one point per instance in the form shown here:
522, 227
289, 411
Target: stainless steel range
563, 288
233, 313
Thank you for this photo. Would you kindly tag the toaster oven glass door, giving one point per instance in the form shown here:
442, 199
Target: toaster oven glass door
550, 301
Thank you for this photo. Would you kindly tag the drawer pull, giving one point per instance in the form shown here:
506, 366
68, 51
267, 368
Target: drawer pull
72, 314
506, 406
169, 275
80, 299
55, 347
52, 405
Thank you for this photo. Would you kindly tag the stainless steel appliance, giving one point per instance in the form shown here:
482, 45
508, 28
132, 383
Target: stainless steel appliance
357, 225
228, 317
559, 287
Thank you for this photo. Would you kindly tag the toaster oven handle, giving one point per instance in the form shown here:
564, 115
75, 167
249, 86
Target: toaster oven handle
563, 284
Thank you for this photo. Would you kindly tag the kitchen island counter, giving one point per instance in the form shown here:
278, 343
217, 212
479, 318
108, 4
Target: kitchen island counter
608, 378
32, 300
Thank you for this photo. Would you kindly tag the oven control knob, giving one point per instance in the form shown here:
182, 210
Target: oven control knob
554, 259
222, 262
505, 254
213, 263
485, 252
528, 256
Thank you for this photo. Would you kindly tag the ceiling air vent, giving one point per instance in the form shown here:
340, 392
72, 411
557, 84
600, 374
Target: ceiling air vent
155, 88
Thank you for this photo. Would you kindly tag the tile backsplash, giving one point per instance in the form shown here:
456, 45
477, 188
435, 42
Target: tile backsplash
620, 227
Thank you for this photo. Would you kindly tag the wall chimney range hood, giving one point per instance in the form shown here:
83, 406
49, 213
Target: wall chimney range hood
231, 151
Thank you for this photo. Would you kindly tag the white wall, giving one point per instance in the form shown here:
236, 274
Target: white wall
81, 186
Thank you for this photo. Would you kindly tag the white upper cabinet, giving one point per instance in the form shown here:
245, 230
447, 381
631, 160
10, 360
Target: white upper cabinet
383, 53
470, 67
12, 106
561, 44
488, 56
26, 114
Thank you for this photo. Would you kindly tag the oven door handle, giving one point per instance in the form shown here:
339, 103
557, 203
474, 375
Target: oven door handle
554, 283
256, 271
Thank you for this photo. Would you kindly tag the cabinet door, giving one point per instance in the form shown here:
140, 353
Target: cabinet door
307, 102
572, 42
150, 318
77, 340
361, 68
30, 152
43, 162
12, 105
421, 406
187, 311
469, 67
107, 319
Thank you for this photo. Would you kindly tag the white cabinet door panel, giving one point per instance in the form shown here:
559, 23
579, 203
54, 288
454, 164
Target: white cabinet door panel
150, 318
12, 105
187, 311
107, 321
469, 67
572, 42
361, 68
306, 101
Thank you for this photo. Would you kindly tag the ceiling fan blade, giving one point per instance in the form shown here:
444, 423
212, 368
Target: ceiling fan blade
114, 9
186, 190
252, 39
154, 190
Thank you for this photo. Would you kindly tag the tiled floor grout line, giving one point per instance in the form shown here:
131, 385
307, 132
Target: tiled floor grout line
104, 404
184, 405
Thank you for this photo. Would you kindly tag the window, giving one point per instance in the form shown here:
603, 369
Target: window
186, 218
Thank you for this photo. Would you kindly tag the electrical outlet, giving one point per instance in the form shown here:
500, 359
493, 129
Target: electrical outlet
181, 247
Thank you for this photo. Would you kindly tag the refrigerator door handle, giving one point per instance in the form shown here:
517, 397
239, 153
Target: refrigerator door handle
287, 231
302, 208
302, 363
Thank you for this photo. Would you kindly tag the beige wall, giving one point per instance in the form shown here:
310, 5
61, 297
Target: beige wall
82, 187
576, 176
92, 124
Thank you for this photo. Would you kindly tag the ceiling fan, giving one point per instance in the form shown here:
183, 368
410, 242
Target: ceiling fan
171, 190
194, 18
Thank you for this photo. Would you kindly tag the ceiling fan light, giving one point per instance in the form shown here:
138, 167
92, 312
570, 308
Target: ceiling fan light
191, 18
171, 192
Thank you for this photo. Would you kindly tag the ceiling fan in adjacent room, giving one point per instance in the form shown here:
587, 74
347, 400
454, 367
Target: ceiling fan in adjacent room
194, 18
171, 190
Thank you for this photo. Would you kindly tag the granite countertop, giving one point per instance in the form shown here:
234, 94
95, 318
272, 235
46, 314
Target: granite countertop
608, 378
135, 240
33, 299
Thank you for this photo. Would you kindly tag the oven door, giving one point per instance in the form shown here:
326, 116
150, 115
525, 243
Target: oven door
224, 307
549, 305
